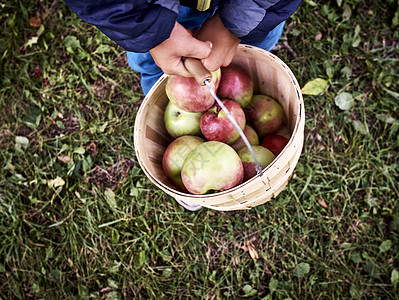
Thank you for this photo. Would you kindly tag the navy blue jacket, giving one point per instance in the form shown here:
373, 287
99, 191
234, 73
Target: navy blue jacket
140, 25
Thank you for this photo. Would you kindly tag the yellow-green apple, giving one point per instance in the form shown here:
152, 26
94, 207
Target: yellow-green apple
187, 94
175, 154
251, 136
216, 126
212, 166
275, 143
179, 122
236, 84
266, 114
263, 155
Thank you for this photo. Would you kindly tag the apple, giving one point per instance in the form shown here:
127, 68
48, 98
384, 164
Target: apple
174, 155
187, 94
263, 155
251, 136
235, 84
179, 122
216, 126
211, 166
266, 114
275, 143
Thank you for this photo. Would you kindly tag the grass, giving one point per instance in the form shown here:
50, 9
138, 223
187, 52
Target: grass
79, 219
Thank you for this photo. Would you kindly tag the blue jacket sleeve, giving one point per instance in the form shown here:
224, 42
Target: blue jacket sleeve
135, 25
251, 21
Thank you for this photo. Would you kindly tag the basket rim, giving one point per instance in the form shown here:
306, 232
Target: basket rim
297, 127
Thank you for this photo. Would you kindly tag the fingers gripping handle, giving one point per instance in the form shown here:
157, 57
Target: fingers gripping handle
195, 67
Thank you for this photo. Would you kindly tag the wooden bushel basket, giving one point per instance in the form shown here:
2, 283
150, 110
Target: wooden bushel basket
271, 77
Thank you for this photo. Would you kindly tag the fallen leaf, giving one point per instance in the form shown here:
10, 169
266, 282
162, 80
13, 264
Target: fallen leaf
301, 269
64, 158
35, 22
345, 101
21, 143
314, 87
318, 36
33, 40
322, 203
56, 182
360, 127
394, 277
252, 252
110, 198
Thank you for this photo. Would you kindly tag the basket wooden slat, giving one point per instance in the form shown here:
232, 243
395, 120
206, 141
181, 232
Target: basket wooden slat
271, 77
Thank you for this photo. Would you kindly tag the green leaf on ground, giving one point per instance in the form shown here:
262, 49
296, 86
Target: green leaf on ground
110, 198
345, 101
315, 87
249, 290
385, 245
21, 143
360, 127
273, 284
301, 269
394, 277
71, 42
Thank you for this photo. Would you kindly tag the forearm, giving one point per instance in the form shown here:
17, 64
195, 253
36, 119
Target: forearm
255, 19
135, 25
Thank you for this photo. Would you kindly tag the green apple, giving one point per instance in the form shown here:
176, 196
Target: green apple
179, 122
263, 155
212, 166
175, 154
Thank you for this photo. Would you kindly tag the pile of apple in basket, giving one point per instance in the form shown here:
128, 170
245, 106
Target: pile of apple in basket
207, 153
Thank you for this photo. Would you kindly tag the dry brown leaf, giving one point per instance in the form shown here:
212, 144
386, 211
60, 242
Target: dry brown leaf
35, 22
318, 36
252, 252
322, 203
64, 158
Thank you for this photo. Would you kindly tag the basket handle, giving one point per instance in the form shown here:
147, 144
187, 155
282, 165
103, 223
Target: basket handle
196, 68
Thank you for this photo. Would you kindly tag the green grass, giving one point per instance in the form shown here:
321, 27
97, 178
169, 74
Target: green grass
79, 219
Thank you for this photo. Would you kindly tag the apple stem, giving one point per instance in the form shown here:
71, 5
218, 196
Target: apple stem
237, 127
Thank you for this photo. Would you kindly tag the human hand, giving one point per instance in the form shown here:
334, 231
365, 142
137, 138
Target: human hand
224, 43
168, 55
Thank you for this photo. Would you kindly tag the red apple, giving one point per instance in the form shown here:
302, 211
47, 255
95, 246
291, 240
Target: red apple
235, 84
179, 122
187, 94
212, 166
266, 114
251, 136
275, 143
175, 154
215, 125
263, 155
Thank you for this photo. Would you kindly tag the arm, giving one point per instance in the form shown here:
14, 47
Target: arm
237, 20
256, 18
140, 26
224, 43
134, 25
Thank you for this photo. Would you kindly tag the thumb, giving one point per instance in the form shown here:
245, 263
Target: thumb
199, 49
